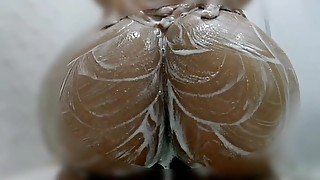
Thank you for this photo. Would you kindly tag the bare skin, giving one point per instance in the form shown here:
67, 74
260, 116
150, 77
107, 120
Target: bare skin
220, 78
115, 9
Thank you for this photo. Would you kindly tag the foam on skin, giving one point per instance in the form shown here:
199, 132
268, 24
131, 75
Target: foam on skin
226, 85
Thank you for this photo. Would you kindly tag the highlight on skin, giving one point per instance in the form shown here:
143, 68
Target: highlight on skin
220, 85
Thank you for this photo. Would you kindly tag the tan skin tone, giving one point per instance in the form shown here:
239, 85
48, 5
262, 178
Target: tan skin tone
233, 4
126, 7
123, 7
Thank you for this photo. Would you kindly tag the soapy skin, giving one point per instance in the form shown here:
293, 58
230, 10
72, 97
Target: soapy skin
222, 86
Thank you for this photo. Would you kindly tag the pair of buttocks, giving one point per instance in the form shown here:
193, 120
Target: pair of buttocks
225, 91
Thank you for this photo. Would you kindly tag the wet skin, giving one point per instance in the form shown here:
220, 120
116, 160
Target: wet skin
208, 74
